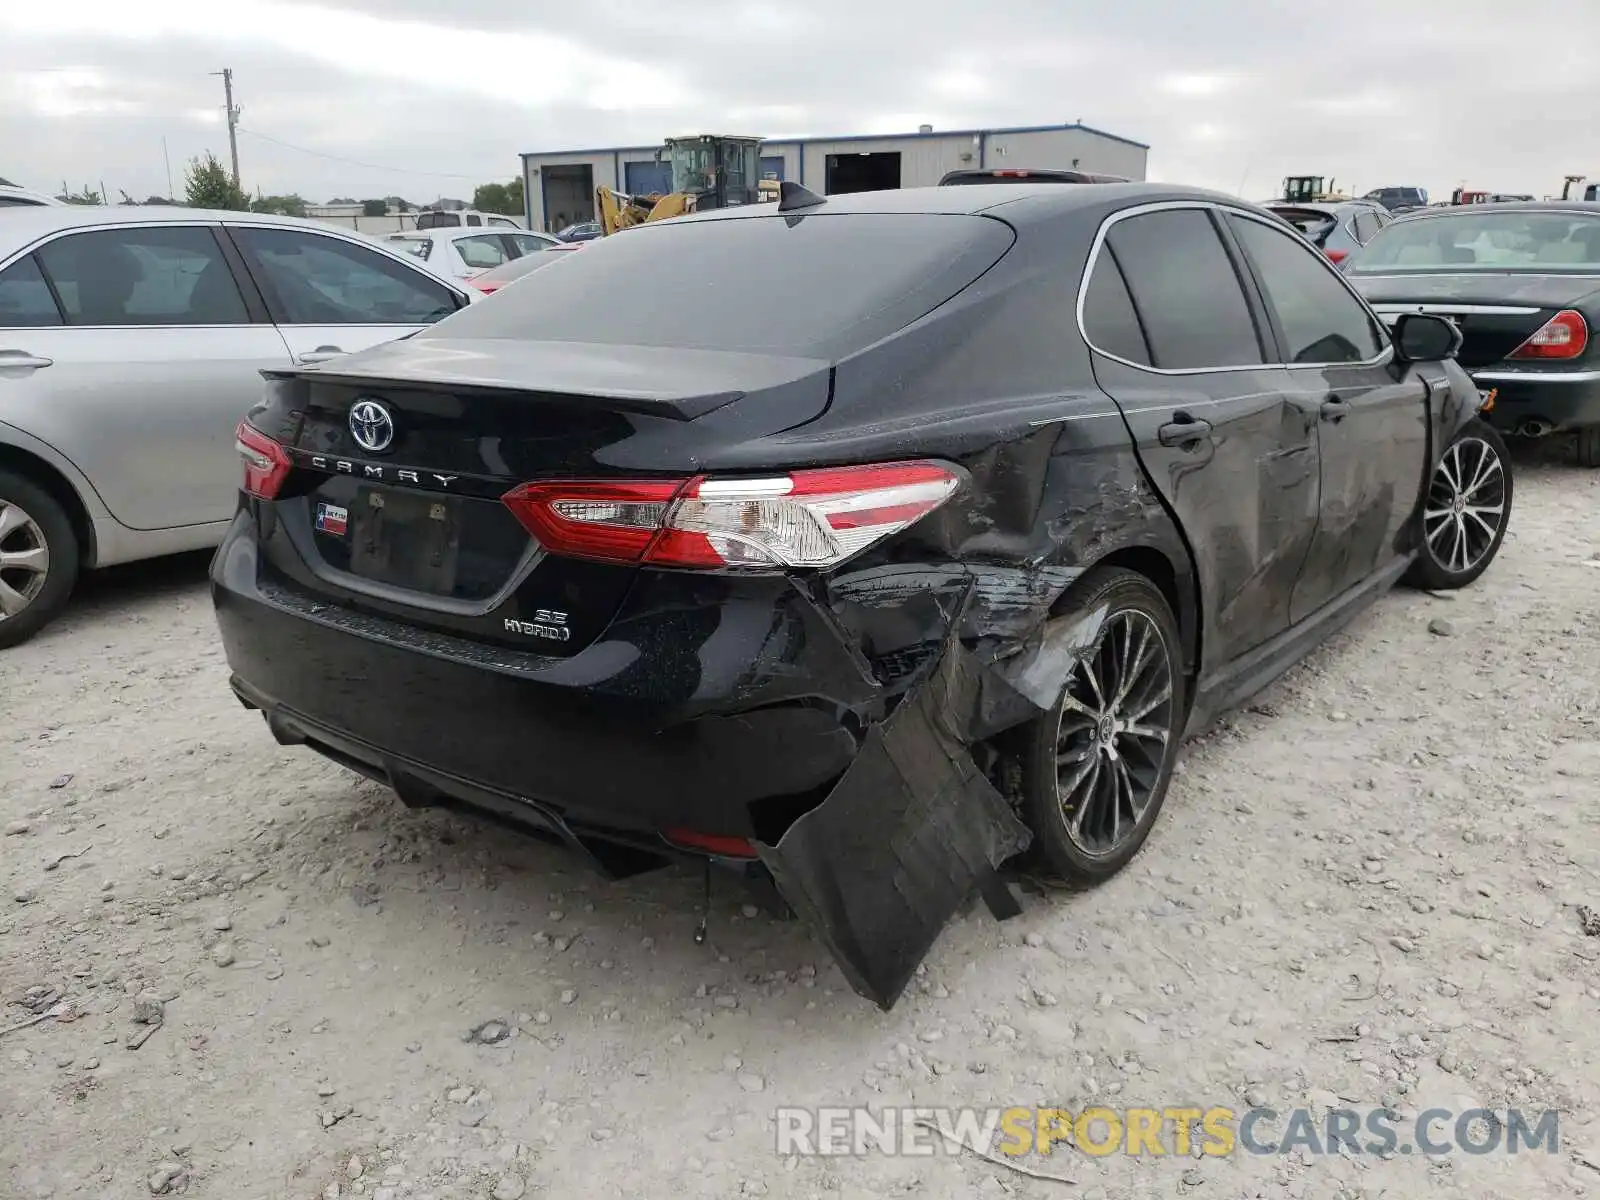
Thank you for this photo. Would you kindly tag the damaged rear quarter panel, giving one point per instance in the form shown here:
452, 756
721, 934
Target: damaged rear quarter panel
954, 617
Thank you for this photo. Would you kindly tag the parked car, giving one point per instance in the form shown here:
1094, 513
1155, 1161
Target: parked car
1005, 488
131, 342
461, 254
1396, 198
468, 218
1024, 175
583, 231
12, 196
495, 278
1520, 282
1338, 230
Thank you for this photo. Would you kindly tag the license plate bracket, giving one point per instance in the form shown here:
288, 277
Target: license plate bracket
406, 539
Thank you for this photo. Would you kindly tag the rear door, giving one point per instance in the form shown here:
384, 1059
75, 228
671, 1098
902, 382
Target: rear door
332, 296
1220, 429
1373, 425
137, 360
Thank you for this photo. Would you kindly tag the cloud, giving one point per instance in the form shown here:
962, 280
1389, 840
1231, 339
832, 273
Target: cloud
419, 98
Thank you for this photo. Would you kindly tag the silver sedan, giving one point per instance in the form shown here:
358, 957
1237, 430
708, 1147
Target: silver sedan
132, 342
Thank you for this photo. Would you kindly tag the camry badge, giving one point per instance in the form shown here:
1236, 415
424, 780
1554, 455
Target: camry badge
371, 426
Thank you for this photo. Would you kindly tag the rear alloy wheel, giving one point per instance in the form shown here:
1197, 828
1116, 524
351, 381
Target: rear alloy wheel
1465, 512
38, 558
1098, 766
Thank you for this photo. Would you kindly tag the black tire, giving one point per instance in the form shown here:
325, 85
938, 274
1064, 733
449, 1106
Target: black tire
1469, 488
1078, 848
46, 526
1589, 446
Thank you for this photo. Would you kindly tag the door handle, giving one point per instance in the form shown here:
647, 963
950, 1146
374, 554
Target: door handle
320, 354
1335, 409
1183, 430
22, 360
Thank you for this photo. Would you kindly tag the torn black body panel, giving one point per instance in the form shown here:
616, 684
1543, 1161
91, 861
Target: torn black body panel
910, 831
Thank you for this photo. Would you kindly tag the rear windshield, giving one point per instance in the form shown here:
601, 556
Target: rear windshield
1484, 240
1314, 224
811, 286
416, 247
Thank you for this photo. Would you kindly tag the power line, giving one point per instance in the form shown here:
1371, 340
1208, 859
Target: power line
351, 162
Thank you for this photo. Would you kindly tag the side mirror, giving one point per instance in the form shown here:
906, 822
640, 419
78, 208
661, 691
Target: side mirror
1423, 337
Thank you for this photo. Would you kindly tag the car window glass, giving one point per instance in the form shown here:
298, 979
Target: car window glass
25, 300
848, 280
474, 221
160, 276
1109, 320
481, 252
417, 247
502, 222
316, 280
1366, 226
526, 243
1321, 321
1486, 240
1186, 290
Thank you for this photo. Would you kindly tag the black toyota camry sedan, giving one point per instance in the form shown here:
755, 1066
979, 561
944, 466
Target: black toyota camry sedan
856, 544
1522, 281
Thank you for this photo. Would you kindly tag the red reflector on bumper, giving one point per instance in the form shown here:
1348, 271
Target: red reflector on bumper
719, 845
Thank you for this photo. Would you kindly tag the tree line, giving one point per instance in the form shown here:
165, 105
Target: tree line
208, 184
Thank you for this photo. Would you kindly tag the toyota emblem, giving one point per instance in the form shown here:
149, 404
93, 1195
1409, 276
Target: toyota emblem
371, 426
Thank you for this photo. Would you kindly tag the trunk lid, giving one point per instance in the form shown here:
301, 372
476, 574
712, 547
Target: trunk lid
1496, 312
394, 504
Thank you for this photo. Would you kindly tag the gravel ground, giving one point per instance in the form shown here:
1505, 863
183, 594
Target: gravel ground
1365, 887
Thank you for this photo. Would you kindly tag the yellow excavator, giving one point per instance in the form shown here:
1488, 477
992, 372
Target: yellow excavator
709, 171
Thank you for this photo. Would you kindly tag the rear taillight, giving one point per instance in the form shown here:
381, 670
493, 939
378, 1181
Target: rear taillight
1337, 256
486, 286
266, 464
814, 518
1565, 335
1010, 174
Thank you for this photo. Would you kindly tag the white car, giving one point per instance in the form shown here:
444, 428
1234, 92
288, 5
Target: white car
460, 254
12, 196
132, 342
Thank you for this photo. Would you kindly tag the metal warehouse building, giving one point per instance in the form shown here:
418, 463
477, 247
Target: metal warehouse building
559, 186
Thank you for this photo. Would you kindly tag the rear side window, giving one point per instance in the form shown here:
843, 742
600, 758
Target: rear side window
1109, 320
1186, 291
314, 280
808, 286
166, 275
25, 300
474, 220
1321, 321
481, 252
1366, 227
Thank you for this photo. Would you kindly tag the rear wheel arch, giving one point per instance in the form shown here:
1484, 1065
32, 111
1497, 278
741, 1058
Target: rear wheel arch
1177, 583
40, 472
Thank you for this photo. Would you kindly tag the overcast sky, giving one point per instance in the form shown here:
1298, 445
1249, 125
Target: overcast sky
1233, 94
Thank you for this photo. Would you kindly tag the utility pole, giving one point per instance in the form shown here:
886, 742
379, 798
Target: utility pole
233, 120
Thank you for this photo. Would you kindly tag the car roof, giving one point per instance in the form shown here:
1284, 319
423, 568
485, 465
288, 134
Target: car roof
1022, 202
27, 223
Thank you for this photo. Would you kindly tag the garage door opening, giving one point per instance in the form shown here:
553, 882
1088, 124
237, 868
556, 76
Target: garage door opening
874, 172
568, 195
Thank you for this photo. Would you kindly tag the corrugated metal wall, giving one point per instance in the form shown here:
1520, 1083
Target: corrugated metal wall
1066, 149
924, 158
